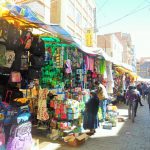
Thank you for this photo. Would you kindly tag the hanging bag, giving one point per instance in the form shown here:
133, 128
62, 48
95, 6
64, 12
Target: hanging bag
37, 47
15, 77
10, 57
2, 55
37, 61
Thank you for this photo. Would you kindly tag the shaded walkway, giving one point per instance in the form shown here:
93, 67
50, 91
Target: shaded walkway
126, 136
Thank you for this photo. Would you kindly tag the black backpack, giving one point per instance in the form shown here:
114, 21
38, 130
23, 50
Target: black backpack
37, 61
12, 37
37, 47
34, 73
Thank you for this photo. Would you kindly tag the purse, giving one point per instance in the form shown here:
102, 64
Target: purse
15, 76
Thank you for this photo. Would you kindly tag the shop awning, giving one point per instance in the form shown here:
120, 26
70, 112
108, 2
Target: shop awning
122, 70
23, 15
62, 33
89, 50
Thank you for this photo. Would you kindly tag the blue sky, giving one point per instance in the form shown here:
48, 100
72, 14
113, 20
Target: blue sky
137, 24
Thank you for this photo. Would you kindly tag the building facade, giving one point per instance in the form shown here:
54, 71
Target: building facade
119, 46
77, 17
111, 45
143, 67
128, 55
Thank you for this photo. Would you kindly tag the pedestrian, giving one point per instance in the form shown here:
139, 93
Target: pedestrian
144, 88
91, 113
103, 97
132, 97
148, 99
139, 90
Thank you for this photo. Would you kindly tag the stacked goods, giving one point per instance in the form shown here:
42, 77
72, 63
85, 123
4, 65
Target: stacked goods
112, 115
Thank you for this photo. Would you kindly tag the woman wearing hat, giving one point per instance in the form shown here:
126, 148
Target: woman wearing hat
91, 111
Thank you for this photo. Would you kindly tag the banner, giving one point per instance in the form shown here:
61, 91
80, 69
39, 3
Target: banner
89, 38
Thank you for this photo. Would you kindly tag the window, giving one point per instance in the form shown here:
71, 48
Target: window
78, 18
84, 23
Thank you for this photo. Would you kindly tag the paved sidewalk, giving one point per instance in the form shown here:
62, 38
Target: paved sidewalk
126, 136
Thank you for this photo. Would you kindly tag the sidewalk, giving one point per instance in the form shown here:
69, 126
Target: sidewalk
126, 136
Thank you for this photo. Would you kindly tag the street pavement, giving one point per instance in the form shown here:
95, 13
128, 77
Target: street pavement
126, 136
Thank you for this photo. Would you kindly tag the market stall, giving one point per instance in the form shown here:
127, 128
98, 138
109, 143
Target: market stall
47, 82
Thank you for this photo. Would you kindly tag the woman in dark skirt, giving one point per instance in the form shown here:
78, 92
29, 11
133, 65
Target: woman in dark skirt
91, 113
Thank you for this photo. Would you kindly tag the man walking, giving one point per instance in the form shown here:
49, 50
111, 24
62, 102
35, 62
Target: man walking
132, 97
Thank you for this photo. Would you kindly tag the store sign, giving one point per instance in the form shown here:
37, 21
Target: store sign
89, 38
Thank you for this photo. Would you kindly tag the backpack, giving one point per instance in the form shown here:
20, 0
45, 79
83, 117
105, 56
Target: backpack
16, 65
20, 137
2, 55
11, 39
37, 47
3, 29
24, 61
10, 57
37, 61
34, 73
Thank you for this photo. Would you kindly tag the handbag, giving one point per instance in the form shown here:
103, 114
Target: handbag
15, 76
10, 57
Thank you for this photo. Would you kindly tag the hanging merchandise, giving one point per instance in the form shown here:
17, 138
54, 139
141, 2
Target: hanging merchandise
10, 57
94, 74
47, 56
3, 30
24, 61
102, 66
27, 40
2, 55
20, 137
15, 77
42, 106
68, 66
37, 61
37, 47
59, 57
34, 73
76, 57
13, 35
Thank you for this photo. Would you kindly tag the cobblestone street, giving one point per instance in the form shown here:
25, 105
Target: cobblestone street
126, 136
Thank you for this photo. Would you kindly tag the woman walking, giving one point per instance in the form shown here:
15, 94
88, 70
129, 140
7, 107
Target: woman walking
90, 117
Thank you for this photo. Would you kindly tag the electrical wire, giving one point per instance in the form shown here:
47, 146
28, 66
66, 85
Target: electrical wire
105, 2
100, 9
121, 18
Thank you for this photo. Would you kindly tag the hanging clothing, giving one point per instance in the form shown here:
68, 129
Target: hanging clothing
102, 66
42, 113
68, 66
89, 63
